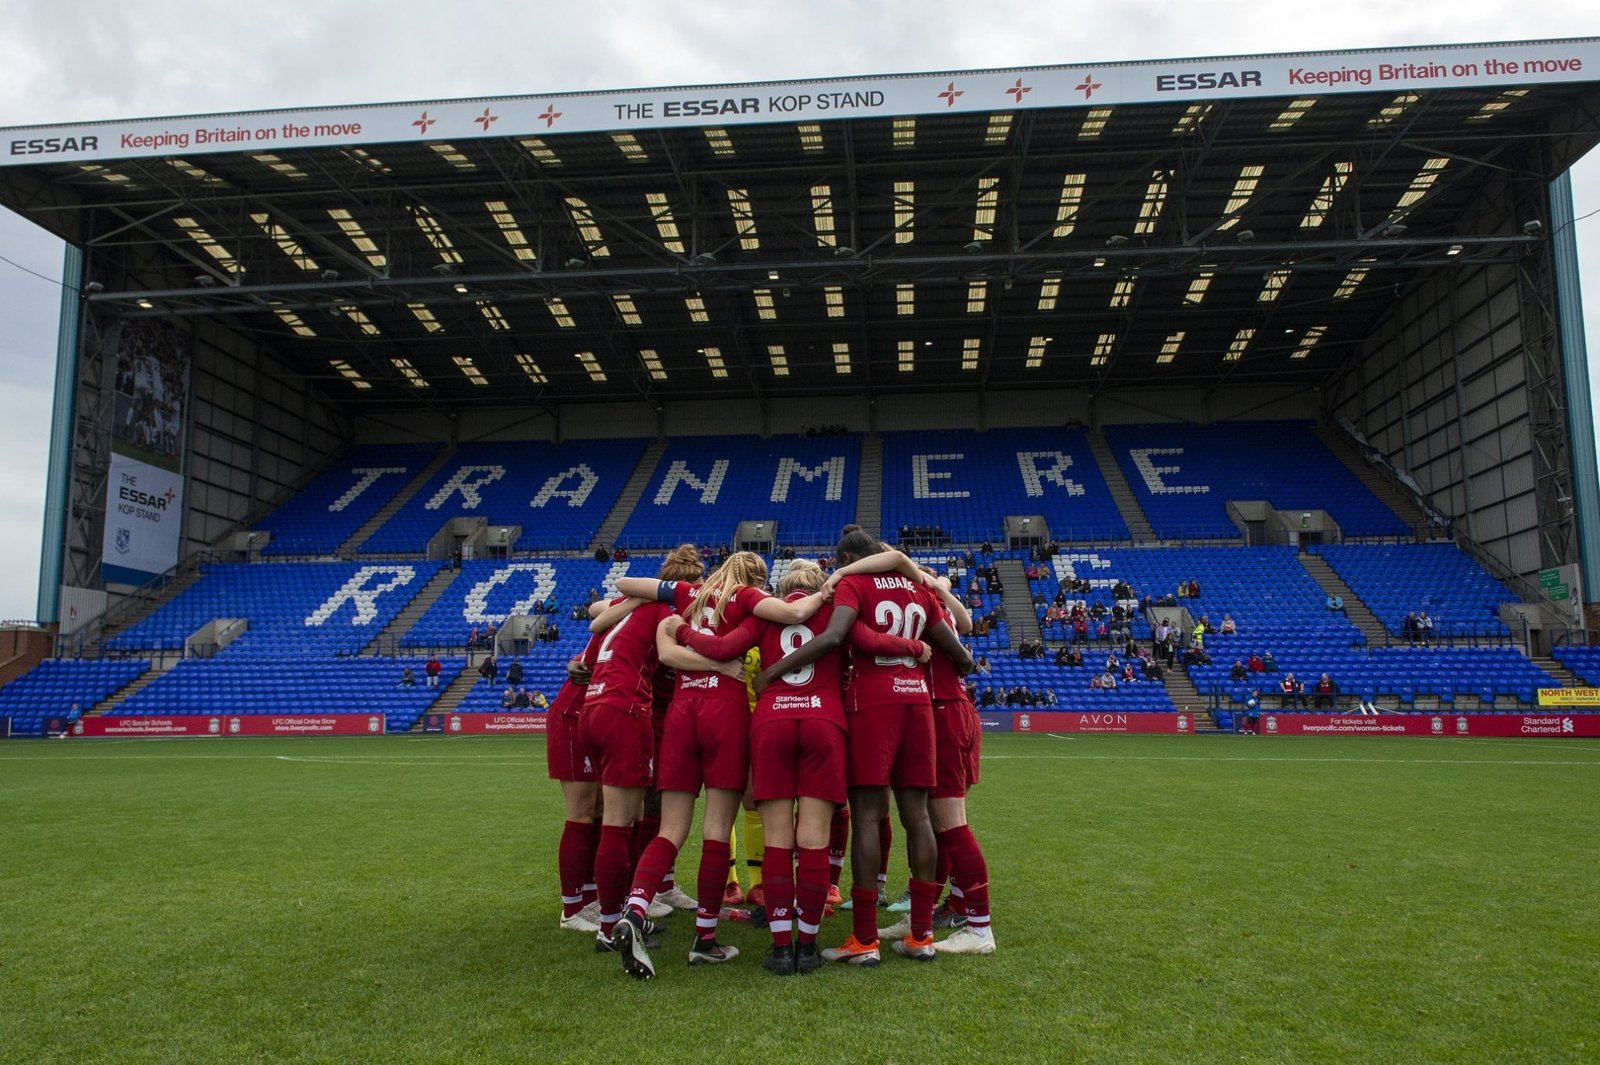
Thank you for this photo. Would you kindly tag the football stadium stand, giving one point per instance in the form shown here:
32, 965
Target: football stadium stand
50, 689
293, 608
965, 484
344, 497
1441, 580
558, 493
704, 486
1184, 476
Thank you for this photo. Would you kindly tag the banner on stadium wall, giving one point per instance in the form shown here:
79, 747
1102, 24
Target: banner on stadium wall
1085, 85
1569, 696
180, 725
77, 607
1491, 725
144, 486
993, 722
1095, 721
305, 725
491, 724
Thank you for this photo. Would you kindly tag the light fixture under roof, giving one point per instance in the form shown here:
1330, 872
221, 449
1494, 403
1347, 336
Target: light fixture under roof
705, 258
972, 247
576, 263
461, 287
843, 251
1245, 236
1116, 240
1454, 250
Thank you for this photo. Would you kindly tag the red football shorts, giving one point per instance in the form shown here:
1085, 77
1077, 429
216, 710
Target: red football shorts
892, 745
621, 745
795, 756
957, 735
706, 744
565, 752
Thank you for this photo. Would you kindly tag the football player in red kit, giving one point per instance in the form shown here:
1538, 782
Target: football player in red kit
706, 743
891, 742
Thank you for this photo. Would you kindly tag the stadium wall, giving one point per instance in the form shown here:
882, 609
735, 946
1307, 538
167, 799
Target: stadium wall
1448, 386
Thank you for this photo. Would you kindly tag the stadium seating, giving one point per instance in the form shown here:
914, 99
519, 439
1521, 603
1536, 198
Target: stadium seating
966, 483
558, 493
49, 690
344, 497
315, 609
704, 486
1396, 579
1583, 661
1184, 475
298, 685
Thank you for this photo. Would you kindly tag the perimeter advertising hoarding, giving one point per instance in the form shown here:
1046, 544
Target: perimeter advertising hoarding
1084, 721
305, 725
1493, 725
492, 724
180, 725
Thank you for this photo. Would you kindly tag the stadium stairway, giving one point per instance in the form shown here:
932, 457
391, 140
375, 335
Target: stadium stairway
159, 664
1354, 609
348, 548
1021, 619
153, 602
869, 488
1186, 697
450, 699
1567, 678
1382, 487
1121, 492
388, 640
622, 509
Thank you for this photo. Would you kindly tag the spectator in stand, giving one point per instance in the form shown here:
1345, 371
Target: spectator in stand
489, 669
1096, 682
514, 672
1408, 628
1327, 690
988, 548
987, 698
1290, 692
1252, 713
1194, 588
1183, 590
1050, 697
524, 700
408, 679
508, 698
1153, 670
1039, 599
1075, 657
432, 670
601, 555
1108, 679
1228, 627
1080, 629
1197, 635
1062, 658
1158, 636
1336, 604
1424, 628
1128, 675
1256, 665
982, 664
472, 637
620, 555
489, 633
1268, 663
980, 627
1238, 672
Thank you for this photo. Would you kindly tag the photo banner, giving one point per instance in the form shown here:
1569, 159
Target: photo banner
143, 535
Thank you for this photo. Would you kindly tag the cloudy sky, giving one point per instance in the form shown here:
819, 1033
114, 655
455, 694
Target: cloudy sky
100, 60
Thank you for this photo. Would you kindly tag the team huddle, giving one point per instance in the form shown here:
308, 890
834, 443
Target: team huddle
857, 695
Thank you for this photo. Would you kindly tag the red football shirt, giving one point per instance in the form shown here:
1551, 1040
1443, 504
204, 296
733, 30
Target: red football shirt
891, 605
740, 606
947, 683
626, 662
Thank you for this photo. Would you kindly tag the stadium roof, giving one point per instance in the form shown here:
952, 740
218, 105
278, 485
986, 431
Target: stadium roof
1243, 219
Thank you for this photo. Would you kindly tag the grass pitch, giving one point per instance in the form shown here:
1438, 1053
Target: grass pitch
1157, 899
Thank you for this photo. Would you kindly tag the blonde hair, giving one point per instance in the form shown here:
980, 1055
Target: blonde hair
803, 575
741, 569
682, 564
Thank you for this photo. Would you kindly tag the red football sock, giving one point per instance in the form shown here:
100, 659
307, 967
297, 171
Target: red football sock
710, 884
572, 861
864, 914
777, 879
611, 867
838, 840
590, 893
968, 871
644, 830
653, 863
923, 895
941, 863
810, 890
